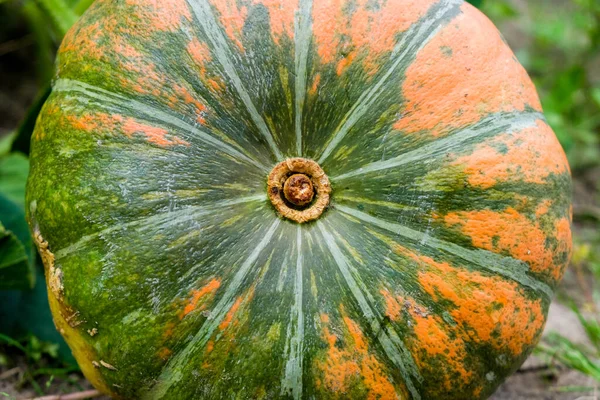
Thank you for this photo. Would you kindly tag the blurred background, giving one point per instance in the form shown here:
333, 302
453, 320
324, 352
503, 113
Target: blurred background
558, 42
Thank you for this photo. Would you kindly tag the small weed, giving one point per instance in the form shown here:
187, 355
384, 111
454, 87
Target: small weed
38, 364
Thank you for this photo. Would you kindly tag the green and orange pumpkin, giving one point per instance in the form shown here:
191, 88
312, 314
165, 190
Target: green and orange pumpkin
319, 199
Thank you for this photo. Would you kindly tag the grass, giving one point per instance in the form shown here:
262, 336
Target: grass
31, 363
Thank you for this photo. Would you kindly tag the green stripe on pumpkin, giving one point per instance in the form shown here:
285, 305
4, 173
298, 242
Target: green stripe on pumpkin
490, 126
510, 268
92, 92
294, 347
415, 39
303, 25
205, 16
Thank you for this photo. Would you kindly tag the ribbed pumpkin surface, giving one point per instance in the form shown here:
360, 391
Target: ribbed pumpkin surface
172, 276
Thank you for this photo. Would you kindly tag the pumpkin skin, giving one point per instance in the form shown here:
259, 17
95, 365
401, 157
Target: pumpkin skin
172, 276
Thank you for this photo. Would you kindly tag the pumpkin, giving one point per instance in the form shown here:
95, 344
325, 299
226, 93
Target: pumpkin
260, 199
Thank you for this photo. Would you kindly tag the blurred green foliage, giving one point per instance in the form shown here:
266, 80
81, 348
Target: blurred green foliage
16, 251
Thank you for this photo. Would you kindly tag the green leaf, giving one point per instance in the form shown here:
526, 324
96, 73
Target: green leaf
82, 5
16, 271
573, 356
45, 40
60, 15
16, 249
6, 143
14, 169
12, 342
23, 136
499, 9
28, 312
476, 3
591, 326
596, 95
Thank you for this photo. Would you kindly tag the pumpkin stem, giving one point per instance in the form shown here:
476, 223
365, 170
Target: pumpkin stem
299, 189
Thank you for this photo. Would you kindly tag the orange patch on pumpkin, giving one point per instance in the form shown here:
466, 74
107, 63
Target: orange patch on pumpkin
432, 339
161, 15
233, 16
353, 360
367, 29
344, 63
315, 85
188, 98
392, 306
153, 134
488, 309
357, 335
85, 40
165, 353
96, 123
327, 19
170, 329
530, 155
376, 28
126, 50
371, 369
199, 297
564, 237
144, 79
281, 16
85, 122
339, 367
508, 231
200, 53
463, 74
216, 84
104, 123
210, 346
543, 208
229, 317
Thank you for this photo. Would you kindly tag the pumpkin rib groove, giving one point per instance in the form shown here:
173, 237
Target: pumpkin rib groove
170, 373
302, 39
204, 15
494, 124
392, 345
415, 39
184, 214
70, 85
292, 379
508, 267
